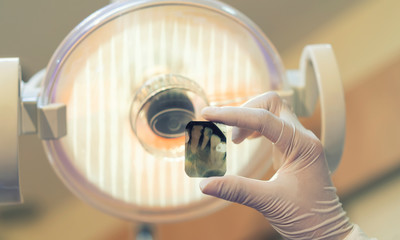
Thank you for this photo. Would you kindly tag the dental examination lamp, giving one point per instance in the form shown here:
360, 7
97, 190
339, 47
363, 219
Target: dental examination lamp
112, 105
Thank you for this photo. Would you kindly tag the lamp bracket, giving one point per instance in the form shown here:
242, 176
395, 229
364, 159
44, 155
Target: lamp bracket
48, 121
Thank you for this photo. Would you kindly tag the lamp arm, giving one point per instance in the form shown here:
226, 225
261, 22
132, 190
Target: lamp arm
10, 76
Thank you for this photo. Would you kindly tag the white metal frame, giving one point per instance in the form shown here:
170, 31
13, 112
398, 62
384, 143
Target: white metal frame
9, 130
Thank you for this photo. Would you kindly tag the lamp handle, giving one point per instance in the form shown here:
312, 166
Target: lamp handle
319, 75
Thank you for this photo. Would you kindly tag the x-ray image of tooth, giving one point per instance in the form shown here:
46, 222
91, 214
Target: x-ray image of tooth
205, 149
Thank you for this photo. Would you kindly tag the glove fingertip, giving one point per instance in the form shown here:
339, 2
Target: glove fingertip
205, 185
237, 140
237, 136
209, 111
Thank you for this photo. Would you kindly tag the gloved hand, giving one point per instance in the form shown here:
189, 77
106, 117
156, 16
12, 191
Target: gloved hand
300, 200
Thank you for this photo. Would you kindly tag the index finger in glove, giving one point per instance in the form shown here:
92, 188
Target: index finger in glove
254, 119
269, 101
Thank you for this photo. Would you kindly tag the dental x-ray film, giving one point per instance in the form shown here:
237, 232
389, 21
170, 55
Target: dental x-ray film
205, 149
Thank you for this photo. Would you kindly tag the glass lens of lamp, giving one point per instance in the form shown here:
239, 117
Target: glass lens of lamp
97, 71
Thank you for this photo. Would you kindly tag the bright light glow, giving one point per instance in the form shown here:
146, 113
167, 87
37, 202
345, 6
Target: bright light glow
88, 135
236, 69
126, 146
101, 119
113, 62
162, 182
149, 164
150, 38
187, 56
114, 112
174, 183
163, 43
74, 122
200, 59
211, 62
175, 46
138, 173
224, 62
247, 74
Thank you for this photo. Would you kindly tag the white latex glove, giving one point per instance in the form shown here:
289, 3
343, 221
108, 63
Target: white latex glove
300, 200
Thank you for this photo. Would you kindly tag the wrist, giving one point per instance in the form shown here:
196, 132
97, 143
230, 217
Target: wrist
345, 235
357, 234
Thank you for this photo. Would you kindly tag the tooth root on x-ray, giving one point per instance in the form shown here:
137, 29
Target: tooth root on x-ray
206, 137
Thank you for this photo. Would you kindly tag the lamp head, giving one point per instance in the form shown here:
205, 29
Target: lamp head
131, 76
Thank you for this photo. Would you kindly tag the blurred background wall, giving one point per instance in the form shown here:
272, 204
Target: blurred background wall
365, 35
